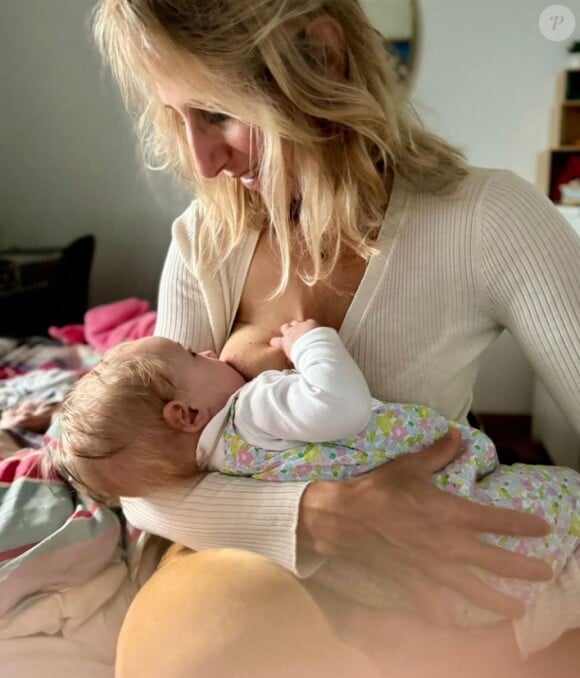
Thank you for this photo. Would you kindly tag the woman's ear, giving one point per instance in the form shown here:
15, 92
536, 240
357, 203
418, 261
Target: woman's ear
327, 44
179, 416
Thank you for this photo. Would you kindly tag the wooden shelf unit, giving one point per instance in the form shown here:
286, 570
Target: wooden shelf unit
564, 159
570, 124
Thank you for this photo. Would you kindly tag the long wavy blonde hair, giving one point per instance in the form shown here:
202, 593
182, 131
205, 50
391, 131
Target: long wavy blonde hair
336, 136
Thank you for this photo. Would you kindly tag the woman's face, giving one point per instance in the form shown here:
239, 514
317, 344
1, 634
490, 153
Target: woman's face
218, 143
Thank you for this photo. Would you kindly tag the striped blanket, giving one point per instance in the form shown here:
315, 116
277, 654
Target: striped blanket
51, 539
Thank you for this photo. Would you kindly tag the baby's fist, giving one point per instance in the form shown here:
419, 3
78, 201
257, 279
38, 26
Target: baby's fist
291, 332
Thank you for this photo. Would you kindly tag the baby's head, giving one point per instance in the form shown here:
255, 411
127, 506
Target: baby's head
132, 424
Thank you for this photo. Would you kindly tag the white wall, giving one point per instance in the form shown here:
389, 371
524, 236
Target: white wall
394, 18
487, 81
68, 164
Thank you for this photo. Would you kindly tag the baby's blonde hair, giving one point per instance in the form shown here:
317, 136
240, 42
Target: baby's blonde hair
114, 440
252, 60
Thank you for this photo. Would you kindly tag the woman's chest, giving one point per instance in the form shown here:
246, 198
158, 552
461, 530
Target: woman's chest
327, 301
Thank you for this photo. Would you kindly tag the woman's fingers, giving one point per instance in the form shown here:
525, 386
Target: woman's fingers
395, 520
467, 549
440, 454
446, 528
427, 585
485, 518
477, 591
407, 481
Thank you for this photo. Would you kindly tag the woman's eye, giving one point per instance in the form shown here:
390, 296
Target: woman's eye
217, 118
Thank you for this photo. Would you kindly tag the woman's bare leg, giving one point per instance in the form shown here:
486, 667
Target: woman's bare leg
230, 613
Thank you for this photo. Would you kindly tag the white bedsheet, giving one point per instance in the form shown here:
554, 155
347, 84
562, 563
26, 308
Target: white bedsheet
68, 634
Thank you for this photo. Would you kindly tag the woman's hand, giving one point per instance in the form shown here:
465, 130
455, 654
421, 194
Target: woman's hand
397, 522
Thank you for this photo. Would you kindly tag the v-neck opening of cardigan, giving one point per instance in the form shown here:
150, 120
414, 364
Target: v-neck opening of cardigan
376, 267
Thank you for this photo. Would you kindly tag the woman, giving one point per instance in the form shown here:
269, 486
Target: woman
319, 195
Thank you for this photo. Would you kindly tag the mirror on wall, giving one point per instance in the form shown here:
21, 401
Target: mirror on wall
396, 20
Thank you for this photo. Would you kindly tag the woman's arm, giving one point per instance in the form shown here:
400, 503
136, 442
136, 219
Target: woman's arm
181, 311
530, 271
380, 519
395, 521
216, 511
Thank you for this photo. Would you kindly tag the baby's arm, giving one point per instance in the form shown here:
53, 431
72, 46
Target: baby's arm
327, 398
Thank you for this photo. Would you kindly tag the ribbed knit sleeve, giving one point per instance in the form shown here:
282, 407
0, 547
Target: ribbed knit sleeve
181, 311
223, 511
220, 511
530, 267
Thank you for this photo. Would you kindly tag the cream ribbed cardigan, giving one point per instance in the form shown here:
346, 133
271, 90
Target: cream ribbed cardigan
452, 274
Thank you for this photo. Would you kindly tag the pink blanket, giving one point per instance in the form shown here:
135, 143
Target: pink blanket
111, 324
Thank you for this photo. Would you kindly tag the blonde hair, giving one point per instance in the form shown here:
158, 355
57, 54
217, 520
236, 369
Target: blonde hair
114, 440
252, 60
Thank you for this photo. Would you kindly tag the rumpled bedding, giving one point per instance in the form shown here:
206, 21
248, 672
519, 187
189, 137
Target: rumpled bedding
17, 359
50, 385
68, 572
39, 372
110, 324
69, 567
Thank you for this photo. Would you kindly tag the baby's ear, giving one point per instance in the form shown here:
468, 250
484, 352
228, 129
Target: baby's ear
181, 417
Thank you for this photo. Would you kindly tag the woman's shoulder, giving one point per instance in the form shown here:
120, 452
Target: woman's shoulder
185, 232
477, 180
508, 202
482, 191
498, 181
491, 187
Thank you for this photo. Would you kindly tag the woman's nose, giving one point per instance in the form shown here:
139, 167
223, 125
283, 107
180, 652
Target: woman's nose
209, 150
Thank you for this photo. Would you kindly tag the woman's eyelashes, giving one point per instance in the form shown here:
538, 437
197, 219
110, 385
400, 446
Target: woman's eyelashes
217, 118
212, 117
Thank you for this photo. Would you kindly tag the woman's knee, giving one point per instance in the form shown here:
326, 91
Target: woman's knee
223, 613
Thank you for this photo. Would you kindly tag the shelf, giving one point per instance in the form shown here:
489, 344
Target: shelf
564, 165
564, 160
572, 85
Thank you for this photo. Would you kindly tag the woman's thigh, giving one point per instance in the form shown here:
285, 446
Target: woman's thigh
401, 646
225, 613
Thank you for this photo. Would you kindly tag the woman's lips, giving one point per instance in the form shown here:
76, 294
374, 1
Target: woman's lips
250, 181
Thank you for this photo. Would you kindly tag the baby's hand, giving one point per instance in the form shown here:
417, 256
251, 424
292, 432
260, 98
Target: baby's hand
291, 332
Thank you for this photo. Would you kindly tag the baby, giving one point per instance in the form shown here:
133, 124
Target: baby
152, 412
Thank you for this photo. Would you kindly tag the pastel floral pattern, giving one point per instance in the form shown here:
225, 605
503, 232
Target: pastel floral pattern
552, 493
